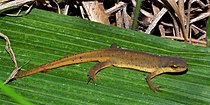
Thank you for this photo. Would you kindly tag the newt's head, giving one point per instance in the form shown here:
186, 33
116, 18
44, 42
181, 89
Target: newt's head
174, 64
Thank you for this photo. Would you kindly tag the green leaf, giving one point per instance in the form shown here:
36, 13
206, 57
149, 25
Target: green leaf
43, 36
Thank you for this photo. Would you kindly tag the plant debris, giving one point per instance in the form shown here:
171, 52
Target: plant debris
183, 20
12, 56
157, 17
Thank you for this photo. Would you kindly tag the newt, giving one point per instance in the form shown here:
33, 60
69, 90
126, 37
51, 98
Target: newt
154, 64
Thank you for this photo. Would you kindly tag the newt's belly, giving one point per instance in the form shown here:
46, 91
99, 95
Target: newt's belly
140, 68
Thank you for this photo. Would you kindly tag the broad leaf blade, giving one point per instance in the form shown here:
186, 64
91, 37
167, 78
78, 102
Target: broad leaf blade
43, 36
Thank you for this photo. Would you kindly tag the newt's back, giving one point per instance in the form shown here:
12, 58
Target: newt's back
133, 59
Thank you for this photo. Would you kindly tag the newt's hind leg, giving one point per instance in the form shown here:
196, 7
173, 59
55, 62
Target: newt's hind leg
95, 69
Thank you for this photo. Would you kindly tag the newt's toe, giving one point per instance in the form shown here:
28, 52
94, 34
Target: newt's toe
91, 78
156, 88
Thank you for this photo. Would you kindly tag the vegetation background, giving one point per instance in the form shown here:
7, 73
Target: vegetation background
43, 36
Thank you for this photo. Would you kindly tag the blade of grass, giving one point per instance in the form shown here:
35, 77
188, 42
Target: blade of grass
136, 14
10, 92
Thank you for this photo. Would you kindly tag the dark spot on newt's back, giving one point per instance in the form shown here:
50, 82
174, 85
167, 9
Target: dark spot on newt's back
80, 59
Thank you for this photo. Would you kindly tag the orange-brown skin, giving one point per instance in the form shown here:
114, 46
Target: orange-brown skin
155, 64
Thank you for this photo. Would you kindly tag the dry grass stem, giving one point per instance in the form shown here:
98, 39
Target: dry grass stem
12, 56
155, 20
14, 3
115, 8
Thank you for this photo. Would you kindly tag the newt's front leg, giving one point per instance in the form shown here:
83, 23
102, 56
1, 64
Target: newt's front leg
149, 78
95, 69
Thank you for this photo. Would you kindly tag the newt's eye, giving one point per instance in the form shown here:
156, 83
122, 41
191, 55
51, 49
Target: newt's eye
174, 66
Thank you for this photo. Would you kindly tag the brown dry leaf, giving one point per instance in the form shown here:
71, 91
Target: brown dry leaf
155, 9
95, 12
126, 19
162, 30
119, 19
121, 15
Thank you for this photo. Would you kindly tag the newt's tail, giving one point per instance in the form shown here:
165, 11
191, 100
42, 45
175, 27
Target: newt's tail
68, 60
